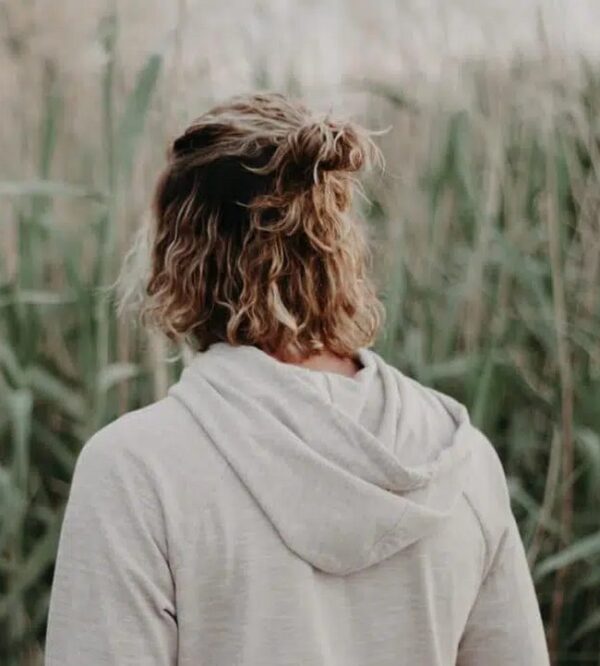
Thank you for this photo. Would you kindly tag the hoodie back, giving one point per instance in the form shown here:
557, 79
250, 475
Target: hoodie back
269, 514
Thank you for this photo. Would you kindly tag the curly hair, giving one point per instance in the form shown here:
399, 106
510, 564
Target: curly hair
253, 240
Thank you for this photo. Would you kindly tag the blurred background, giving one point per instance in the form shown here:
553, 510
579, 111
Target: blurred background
485, 227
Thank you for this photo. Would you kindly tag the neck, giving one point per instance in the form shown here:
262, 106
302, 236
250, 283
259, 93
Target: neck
325, 361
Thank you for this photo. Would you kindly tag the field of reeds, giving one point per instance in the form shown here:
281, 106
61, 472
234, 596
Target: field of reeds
486, 235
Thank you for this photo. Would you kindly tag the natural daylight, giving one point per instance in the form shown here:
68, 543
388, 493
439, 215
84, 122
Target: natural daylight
416, 480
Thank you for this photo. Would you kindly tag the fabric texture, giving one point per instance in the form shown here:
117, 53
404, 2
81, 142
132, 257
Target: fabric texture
267, 514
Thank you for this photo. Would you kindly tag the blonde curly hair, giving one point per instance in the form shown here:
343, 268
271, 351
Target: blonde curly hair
253, 241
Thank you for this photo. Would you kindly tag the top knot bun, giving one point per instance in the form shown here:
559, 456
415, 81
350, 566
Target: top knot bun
266, 144
323, 145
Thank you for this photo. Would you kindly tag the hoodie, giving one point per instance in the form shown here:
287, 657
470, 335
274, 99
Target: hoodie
268, 514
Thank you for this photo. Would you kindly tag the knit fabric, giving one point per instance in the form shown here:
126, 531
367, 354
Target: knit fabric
267, 514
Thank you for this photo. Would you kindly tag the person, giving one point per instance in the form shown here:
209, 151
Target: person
294, 499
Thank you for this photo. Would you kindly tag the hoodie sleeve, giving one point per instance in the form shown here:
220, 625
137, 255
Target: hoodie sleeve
505, 625
112, 599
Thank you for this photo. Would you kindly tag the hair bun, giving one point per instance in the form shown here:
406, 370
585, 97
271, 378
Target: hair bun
320, 146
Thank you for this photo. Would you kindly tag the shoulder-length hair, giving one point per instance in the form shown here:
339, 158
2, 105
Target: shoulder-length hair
253, 238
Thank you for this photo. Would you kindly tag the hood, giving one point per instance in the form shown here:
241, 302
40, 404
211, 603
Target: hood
349, 470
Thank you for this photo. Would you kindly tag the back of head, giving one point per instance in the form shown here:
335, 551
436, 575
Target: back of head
254, 241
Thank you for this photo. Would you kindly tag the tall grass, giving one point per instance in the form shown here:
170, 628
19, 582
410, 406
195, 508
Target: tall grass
486, 229
489, 222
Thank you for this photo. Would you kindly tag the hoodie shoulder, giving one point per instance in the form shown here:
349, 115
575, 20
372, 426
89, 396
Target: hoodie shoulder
157, 455
161, 445
487, 493
486, 489
143, 432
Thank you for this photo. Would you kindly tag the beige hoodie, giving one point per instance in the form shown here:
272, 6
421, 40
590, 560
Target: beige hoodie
265, 514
